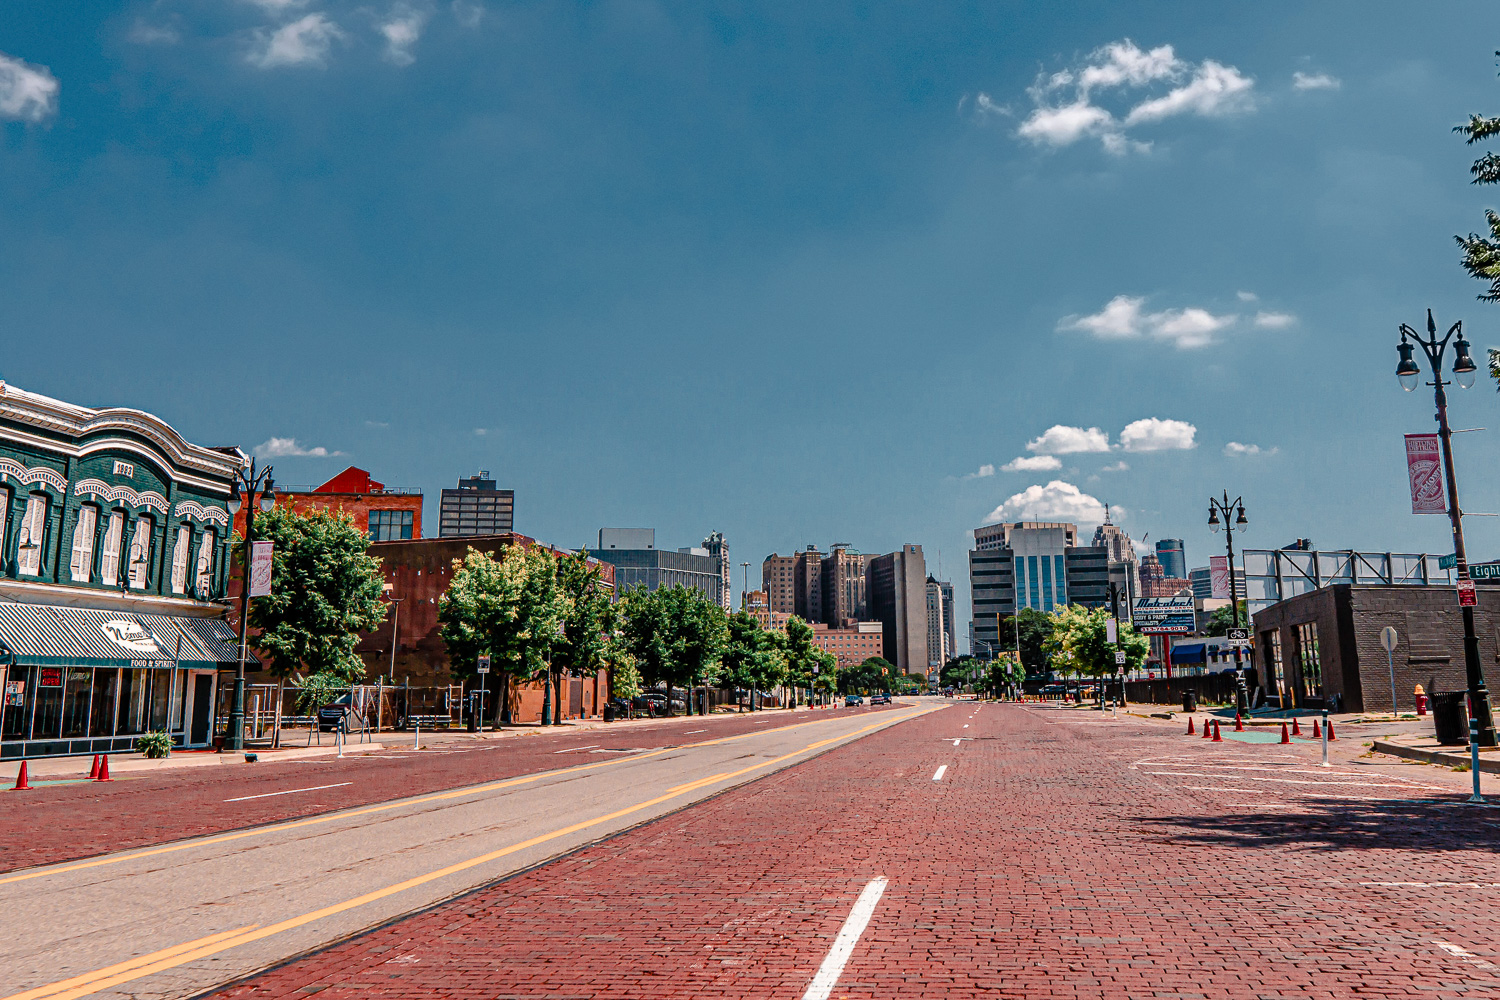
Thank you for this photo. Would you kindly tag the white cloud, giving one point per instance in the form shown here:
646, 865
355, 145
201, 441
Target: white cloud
1247, 296
1236, 450
1057, 501
985, 471
27, 92
153, 34
1032, 463
1314, 81
1274, 320
289, 448
1155, 434
401, 32
1120, 466
468, 15
303, 42
1060, 439
1066, 108
1123, 318
986, 105
278, 6
377, 423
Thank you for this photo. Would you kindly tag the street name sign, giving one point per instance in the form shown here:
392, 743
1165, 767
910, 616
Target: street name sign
1448, 561
1164, 615
1484, 571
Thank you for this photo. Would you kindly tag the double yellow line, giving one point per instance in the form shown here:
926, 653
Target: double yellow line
188, 951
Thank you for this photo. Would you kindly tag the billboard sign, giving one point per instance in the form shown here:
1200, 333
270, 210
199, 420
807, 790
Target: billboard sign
1164, 615
1424, 469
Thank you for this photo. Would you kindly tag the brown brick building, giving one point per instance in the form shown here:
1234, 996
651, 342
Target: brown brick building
777, 580
852, 645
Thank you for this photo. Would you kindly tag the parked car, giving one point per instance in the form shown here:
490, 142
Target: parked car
880, 699
850, 700
334, 714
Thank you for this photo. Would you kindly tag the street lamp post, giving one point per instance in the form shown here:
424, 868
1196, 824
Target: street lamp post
1234, 519
1409, 374
254, 482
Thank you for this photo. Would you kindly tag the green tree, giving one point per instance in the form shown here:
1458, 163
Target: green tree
960, 671
804, 661
1080, 637
511, 609
582, 647
1036, 629
1006, 673
325, 590
676, 635
752, 655
874, 674
1222, 619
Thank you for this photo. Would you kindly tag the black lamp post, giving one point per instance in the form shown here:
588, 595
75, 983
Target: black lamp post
254, 482
1234, 519
1409, 374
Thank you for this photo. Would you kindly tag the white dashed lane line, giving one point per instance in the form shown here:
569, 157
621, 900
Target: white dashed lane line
940, 772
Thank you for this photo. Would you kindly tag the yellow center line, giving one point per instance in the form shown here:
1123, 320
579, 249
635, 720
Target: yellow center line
80, 986
261, 831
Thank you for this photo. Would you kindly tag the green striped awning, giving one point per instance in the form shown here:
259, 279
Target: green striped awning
44, 634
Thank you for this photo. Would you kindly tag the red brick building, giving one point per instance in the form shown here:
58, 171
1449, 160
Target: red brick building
382, 513
852, 645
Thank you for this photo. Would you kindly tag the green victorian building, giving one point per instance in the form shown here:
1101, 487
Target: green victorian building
114, 556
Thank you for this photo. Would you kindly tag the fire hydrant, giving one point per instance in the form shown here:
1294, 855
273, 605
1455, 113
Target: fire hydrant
1421, 699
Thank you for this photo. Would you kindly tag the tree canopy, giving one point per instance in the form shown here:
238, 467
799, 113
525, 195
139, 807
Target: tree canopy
875, 673
1222, 619
1036, 629
511, 608
754, 658
1079, 643
676, 634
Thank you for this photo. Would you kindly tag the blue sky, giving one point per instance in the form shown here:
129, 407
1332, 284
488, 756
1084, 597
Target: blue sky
796, 272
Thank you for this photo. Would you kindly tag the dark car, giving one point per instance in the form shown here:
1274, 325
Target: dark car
334, 715
880, 699
850, 700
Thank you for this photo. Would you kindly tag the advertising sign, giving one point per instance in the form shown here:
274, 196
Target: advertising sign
1218, 574
260, 569
1424, 468
51, 677
1164, 615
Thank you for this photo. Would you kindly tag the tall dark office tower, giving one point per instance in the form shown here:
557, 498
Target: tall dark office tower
476, 508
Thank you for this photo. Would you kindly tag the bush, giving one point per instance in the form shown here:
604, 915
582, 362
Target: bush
155, 745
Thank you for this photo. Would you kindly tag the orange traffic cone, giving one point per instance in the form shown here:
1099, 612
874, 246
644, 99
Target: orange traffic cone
104, 768
1217, 737
1317, 733
1191, 731
1239, 726
94, 770
22, 785
1286, 737
1296, 729
1208, 725
1331, 737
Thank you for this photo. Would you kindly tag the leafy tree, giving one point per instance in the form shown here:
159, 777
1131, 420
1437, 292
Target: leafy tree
1005, 673
1079, 637
874, 674
676, 634
1036, 629
581, 649
325, 590
752, 658
1222, 619
960, 671
804, 661
511, 608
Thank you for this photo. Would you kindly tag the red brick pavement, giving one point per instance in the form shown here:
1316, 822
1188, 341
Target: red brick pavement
1054, 859
64, 821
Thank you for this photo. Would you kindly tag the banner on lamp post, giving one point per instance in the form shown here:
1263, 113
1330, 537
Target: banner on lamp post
1424, 468
1218, 576
260, 569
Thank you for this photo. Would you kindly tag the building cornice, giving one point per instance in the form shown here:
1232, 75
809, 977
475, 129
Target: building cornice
58, 595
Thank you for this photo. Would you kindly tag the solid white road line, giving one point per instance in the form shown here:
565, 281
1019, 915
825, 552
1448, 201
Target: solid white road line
843, 945
695, 732
267, 795
940, 772
1467, 956
591, 746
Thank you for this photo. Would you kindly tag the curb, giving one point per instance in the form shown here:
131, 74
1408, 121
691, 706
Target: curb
1486, 764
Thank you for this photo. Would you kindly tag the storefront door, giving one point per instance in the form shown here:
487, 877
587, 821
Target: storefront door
203, 691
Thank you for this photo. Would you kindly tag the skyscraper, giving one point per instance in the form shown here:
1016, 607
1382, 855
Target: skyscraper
844, 596
938, 649
807, 584
1030, 564
476, 507
1173, 558
719, 549
776, 581
897, 589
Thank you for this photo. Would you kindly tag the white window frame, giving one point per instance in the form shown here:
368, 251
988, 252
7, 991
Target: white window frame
33, 529
85, 533
109, 563
180, 554
203, 566
140, 545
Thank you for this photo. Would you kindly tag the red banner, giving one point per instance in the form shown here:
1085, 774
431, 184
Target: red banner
1424, 467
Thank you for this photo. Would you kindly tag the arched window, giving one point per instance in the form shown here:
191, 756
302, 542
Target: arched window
140, 552
203, 570
180, 555
109, 564
85, 531
33, 525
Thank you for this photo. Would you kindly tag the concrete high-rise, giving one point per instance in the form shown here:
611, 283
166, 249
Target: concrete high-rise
897, 588
1173, 558
844, 598
1124, 565
776, 580
938, 650
807, 584
638, 562
1030, 564
718, 549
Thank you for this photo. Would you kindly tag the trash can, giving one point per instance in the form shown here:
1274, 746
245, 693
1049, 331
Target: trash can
1450, 717
609, 713
1190, 701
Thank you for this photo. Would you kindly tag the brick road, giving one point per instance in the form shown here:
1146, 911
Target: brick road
62, 821
1061, 855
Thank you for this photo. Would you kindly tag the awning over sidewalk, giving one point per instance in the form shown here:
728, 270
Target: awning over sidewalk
1190, 652
44, 634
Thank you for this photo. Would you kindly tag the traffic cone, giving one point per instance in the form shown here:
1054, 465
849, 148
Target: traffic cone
1286, 737
94, 770
22, 785
1316, 731
1331, 737
1208, 725
1217, 737
104, 768
1296, 729
1191, 730
1239, 726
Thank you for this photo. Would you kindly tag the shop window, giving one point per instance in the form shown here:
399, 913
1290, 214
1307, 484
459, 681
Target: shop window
76, 702
1270, 641
102, 716
140, 552
81, 566
180, 558
1308, 660
203, 570
29, 541
109, 564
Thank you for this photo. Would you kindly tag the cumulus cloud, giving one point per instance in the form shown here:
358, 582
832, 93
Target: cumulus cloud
1032, 463
27, 93
1155, 434
467, 14
278, 6
1060, 439
289, 448
1066, 108
1247, 296
1235, 449
985, 471
1314, 81
1124, 317
401, 30
303, 42
1274, 320
1057, 501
